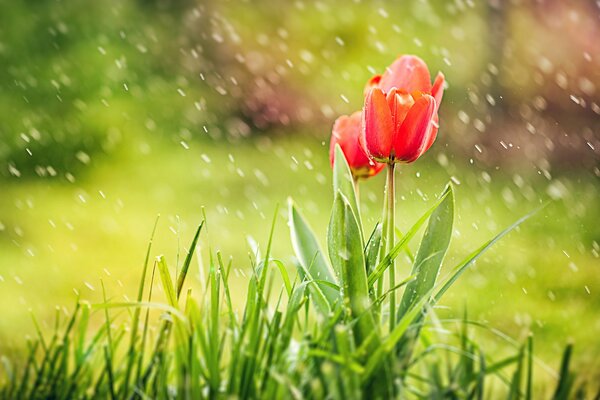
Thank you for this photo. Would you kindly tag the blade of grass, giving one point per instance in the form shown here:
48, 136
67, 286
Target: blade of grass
188, 260
136, 316
565, 378
529, 389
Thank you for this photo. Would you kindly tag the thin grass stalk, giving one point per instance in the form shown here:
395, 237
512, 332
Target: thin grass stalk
136, 315
142, 348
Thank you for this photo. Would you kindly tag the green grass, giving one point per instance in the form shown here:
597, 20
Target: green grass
278, 347
508, 288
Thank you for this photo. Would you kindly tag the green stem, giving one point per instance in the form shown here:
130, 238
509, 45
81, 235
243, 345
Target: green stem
391, 204
382, 245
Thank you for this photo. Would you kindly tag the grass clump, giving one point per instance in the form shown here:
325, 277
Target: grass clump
324, 334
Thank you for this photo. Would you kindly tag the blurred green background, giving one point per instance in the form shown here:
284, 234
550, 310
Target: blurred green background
113, 112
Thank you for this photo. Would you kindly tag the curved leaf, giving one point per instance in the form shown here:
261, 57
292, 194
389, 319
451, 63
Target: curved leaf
312, 263
343, 182
431, 252
346, 253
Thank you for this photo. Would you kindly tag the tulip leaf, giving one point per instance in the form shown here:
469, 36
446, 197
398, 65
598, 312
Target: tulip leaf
346, 253
471, 258
343, 181
428, 262
391, 341
312, 264
372, 249
384, 264
431, 252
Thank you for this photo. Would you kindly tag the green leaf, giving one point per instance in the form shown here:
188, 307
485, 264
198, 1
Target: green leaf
284, 275
431, 252
188, 260
529, 387
387, 260
136, 313
428, 262
167, 283
403, 324
471, 258
312, 264
343, 182
515, 383
346, 253
372, 249
565, 378
407, 251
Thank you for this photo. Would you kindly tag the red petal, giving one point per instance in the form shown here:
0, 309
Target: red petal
410, 141
407, 73
400, 104
432, 135
437, 91
377, 125
373, 82
346, 132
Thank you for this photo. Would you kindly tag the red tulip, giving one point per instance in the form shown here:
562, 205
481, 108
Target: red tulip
400, 120
346, 133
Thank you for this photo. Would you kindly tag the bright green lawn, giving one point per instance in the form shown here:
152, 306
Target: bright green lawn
57, 237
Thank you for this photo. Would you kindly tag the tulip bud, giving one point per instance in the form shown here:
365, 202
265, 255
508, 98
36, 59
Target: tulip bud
346, 133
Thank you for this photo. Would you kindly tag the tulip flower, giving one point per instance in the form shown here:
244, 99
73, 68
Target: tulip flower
400, 123
346, 133
400, 119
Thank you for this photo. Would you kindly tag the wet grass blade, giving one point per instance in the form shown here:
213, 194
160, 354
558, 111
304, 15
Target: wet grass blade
111, 379
515, 383
167, 282
188, 260
529, 382
136, 315
565, 378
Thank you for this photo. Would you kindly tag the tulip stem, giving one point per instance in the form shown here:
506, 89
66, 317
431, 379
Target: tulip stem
391, 228
387, 242
383, 244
